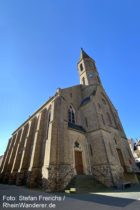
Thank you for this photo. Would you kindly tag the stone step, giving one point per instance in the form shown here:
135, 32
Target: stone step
84, 183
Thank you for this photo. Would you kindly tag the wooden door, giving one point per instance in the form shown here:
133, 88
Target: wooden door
78, 162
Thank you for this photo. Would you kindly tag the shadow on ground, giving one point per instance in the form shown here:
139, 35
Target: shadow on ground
102, 199
70, 198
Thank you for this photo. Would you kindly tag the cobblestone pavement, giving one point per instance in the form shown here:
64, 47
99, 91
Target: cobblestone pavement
13, 197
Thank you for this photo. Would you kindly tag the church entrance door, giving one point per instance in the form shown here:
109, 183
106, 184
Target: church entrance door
78, 162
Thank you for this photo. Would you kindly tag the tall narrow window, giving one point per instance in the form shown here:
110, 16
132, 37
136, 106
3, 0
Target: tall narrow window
103, 100
119, 127
86, 122
103, 119
98, 79
83, 80
99, 106
109, 118
81, 67
91, 152
71, 115
48, 123
49, 117
115, 140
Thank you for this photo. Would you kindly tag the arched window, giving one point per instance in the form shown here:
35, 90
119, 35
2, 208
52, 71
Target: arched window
71, 115
98, 79
109, 118
119, 127
48, 121
91, 152
49, 117
115, 140
81, 67
99, 106
103, 100
83, 80
102, 117
86, 122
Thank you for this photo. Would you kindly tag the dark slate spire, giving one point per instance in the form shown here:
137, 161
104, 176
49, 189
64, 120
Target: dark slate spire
83, 54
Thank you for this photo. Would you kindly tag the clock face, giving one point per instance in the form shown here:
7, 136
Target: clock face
90, 75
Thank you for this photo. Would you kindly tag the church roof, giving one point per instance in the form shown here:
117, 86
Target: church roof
76, 127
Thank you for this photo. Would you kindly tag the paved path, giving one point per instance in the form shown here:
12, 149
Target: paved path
129, 195
13, 195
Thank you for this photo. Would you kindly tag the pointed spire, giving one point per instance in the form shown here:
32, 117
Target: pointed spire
83, 54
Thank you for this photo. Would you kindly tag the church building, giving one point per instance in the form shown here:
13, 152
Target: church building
77, 131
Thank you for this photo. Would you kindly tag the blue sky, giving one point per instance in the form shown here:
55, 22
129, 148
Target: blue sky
40, 44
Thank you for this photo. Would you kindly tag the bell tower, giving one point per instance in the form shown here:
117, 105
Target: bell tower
87, 70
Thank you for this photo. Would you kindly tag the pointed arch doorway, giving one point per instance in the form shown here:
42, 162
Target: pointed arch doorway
78, 162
